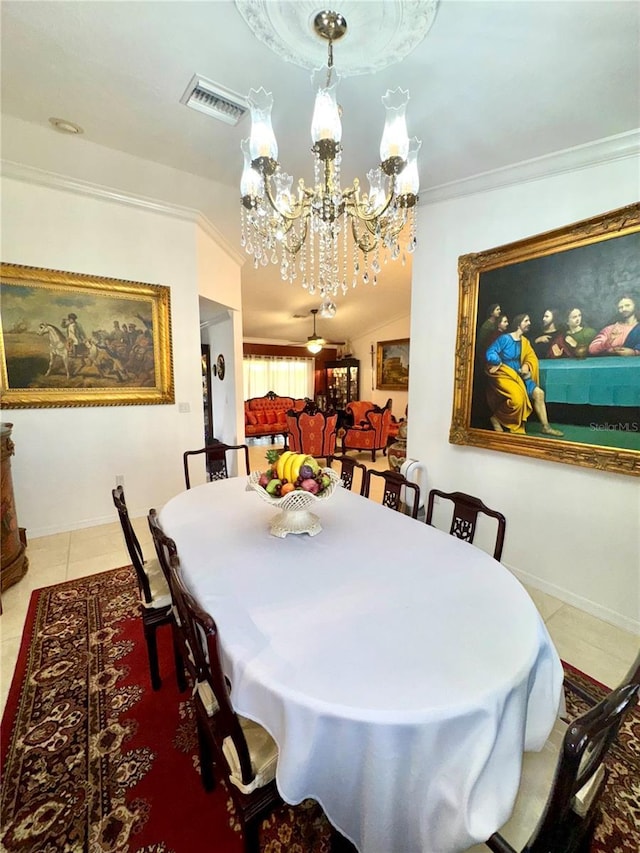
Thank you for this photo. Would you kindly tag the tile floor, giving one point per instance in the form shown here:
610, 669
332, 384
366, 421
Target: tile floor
597, 648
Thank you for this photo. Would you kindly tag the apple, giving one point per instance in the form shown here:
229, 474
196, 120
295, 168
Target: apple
310, 485
274, 486
264, 479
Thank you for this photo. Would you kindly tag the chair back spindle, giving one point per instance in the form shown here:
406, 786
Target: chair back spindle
395, 487
155, 595
348, 467
132, 542
215, 458
466, 509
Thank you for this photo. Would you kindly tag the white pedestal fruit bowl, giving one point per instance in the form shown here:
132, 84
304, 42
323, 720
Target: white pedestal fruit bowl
295, 514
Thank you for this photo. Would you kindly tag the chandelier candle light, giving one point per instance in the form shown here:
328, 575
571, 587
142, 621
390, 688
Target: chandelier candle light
307, 232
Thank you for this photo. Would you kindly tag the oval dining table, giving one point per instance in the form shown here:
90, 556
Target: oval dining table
402, 672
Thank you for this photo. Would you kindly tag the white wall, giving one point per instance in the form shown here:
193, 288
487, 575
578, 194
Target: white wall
396, 330
571, 531
66, 460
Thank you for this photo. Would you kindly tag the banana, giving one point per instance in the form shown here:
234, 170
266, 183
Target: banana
297, 464
289, 464
281, 463
289, 467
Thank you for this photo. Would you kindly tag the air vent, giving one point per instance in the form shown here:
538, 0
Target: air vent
214, 100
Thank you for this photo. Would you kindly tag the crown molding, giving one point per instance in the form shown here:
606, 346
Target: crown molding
53, 180
619, 147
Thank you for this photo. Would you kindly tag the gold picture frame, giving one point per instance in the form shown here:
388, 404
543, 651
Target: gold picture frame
392, 366
69, 339
592, 398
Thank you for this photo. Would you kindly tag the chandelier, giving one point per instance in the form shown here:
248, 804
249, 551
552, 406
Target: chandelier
327, 235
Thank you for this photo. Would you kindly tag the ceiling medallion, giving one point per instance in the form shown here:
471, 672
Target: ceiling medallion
317, 232
380, 33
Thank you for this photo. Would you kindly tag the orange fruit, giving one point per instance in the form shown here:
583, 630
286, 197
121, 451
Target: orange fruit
286, 488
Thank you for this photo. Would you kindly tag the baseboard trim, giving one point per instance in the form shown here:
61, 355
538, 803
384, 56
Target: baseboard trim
585, 604
38, 532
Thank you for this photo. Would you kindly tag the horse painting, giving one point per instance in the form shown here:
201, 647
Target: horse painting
57, 346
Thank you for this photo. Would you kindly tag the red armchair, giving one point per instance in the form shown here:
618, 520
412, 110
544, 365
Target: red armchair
312, 432
370, 430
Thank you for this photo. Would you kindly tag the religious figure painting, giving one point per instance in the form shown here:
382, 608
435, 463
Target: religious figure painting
548, 345
69, 339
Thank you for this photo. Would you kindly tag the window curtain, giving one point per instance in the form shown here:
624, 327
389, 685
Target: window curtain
287, 377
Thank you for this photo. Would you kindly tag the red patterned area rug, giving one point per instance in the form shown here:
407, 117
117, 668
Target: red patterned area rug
94, 760
618, 829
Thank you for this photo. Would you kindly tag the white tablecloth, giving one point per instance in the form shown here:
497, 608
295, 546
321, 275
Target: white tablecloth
401, 671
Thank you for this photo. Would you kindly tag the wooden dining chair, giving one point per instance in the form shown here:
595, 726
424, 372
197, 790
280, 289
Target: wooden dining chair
166, 550
348, 467
392, 496
557, 804
155, 597
466, 509
238, 747
215, 457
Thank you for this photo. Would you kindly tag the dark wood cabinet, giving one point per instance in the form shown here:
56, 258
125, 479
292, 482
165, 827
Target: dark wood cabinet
14, 558
342, 382
207, 401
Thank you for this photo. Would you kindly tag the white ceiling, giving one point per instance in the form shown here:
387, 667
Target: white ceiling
492, 84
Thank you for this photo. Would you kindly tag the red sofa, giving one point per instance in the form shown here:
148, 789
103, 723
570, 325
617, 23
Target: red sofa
267, 415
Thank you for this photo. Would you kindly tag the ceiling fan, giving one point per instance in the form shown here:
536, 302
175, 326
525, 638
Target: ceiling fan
315, 342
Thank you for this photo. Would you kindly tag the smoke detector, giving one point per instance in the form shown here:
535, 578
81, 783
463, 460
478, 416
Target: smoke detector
214, 100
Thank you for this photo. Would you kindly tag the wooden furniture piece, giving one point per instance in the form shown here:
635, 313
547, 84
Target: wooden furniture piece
207, 392
465, 517
15, 563
395, 425
348, 467
266, 416
369, 432
166, 551
312, 432
398, 492
215, 458
342, 381
155, 598
557, 802
347, 648
239, 748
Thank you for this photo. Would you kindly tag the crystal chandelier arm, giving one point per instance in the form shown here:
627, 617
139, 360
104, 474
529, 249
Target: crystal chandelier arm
388, 227
356, 208
293, 246
365, 241
297, 207
265, 228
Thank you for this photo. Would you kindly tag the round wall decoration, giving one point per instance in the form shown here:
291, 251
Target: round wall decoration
220, 366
